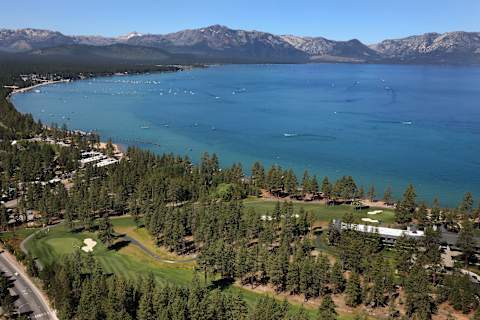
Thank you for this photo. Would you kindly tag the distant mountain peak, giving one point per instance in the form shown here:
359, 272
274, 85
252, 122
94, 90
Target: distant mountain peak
130, 35
215, 27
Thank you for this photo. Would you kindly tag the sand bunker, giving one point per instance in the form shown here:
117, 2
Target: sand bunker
374, 212
370, 220
89, 245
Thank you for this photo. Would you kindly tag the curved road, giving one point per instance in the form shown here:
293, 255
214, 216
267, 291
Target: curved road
30, 300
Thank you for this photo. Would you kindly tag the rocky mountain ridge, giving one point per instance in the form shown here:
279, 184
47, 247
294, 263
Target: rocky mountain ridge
218, 43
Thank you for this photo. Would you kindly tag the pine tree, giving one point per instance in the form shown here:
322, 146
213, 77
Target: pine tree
360, 193
406, 207
299, 314
326, 188
421, 214
236, 307
294, 273
435, 211
353, 291
326, 310
466, 240
314, 185
306, 187
418, 302
388, 195
371, 193
146, 310
279, 269
409, 198
290, 182
466, 205
431, 256
404, 251
336, 278
105, 231
110, 149
258, 175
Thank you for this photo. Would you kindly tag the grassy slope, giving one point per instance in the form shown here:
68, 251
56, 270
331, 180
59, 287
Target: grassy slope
15, 238
128, 261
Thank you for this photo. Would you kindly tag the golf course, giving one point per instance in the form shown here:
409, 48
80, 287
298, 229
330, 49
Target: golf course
135, 253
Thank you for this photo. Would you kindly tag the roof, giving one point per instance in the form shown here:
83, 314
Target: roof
390, 232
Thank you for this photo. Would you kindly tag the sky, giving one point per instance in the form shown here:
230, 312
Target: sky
367, 20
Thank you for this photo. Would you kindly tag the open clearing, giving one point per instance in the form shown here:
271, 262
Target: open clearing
127, 261
321, 212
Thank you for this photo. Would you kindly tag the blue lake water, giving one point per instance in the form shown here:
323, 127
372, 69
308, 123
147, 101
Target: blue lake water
382, 124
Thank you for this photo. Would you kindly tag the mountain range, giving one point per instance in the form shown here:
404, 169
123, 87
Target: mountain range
220, 44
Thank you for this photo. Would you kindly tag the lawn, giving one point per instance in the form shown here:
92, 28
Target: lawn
321, 212
128, 261
20, 233
14, 238
127, 226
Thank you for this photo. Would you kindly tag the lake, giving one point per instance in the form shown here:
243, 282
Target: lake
382, 124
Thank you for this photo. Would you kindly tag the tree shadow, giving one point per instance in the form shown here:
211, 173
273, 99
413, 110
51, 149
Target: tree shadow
221, 283
119, 245
78, 229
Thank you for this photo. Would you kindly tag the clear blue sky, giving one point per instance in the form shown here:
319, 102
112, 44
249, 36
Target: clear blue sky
367, 20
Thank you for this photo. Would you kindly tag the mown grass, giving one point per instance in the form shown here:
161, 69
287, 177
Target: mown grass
128, 227
14, 238
129, 261
20, 233
320, 211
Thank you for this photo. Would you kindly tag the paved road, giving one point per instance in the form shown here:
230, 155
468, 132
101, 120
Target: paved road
30, 300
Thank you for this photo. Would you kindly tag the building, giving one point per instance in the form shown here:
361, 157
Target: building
388, 235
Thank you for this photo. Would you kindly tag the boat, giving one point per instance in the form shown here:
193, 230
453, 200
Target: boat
290, 135
408, 123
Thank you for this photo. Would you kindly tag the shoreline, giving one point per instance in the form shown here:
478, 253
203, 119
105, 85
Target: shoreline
119, 149
81, 76
38, 85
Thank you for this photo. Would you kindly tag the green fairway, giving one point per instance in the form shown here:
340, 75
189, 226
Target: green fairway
129, 261
320, 211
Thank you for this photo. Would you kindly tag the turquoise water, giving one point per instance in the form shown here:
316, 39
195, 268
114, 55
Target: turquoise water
382, 124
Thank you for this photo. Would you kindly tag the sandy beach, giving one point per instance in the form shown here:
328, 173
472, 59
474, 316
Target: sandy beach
21, 90
118, 151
